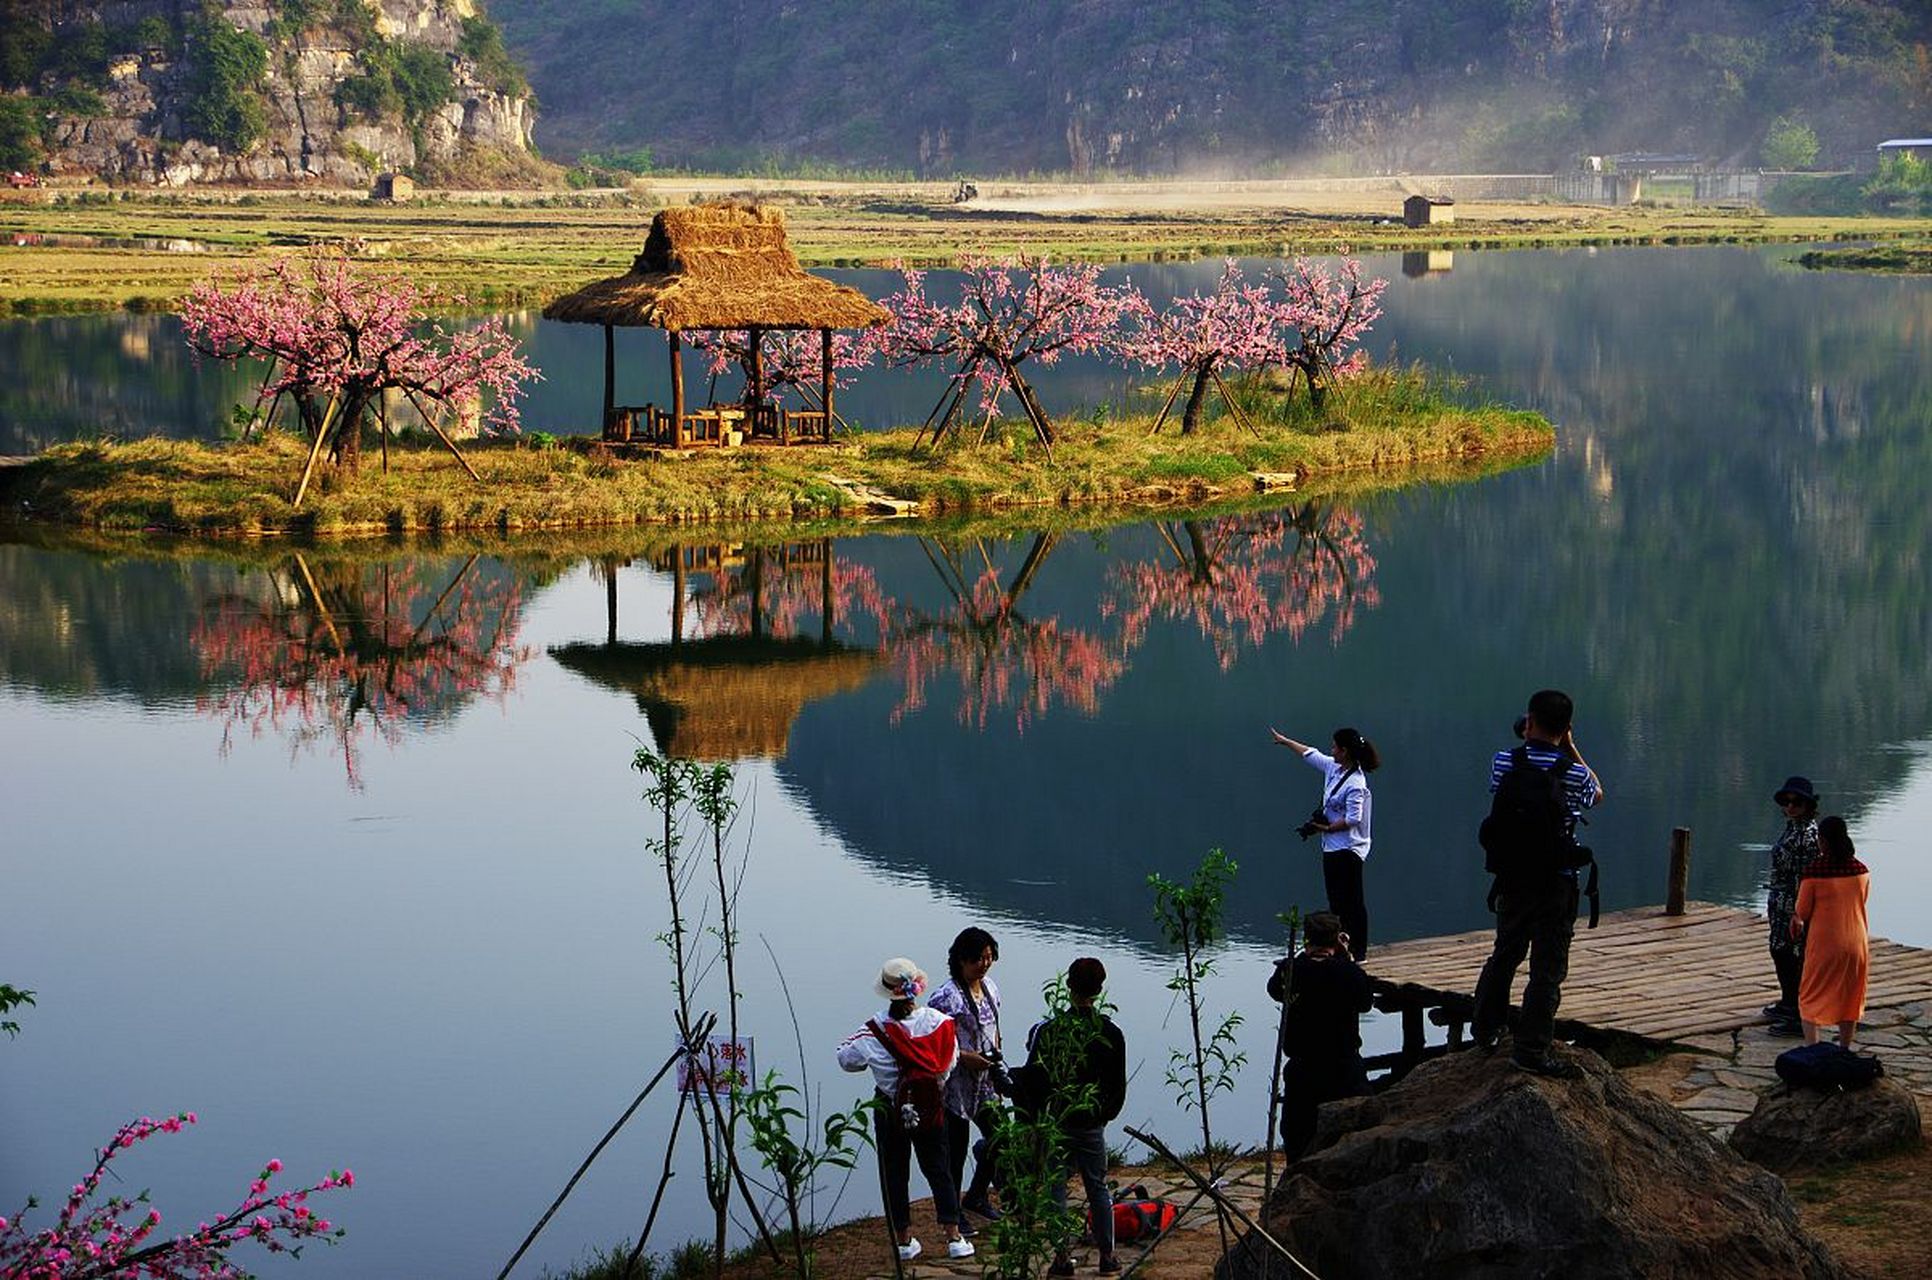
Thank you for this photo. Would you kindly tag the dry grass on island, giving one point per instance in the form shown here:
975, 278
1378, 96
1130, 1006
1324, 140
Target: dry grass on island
1387, 427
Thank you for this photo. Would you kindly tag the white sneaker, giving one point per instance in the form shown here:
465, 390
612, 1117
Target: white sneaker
960, 1248
909, 1250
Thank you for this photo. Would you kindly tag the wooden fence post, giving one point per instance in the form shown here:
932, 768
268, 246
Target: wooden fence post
1679, 871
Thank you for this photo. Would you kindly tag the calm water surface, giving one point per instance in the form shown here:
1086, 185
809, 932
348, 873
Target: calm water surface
341, 849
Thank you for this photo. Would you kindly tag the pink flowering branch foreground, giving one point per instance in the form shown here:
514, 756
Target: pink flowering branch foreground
118, 1237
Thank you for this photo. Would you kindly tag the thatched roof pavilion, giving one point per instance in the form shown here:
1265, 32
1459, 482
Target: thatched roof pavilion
716, 266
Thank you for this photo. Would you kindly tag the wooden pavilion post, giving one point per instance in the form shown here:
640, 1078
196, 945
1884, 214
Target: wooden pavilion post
755, 386
677, 389
610, 378
825, 378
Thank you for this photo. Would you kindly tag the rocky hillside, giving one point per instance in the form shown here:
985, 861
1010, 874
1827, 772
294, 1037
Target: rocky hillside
263, 91
942, 87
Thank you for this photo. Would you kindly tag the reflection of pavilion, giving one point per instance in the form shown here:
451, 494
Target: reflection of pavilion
727, 697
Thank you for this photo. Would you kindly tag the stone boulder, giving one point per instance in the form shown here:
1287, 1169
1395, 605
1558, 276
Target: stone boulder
1809, 1128
1469, 1168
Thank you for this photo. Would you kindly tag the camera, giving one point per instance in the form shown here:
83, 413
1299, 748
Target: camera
1316, 821
998, 1072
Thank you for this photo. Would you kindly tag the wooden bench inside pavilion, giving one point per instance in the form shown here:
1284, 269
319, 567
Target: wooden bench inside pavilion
718, 268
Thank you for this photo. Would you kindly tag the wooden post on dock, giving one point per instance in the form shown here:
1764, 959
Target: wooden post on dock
1679, 871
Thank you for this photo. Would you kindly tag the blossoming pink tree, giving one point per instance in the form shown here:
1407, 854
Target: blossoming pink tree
121, 1237
1010, 311
1235, 327
337, 337
1324, 313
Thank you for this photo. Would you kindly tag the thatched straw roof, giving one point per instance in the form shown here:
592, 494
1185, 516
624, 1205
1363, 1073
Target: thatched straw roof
723, 698
718, 266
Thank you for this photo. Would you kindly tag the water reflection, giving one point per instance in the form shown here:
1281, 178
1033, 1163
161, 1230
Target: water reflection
732, 690
335, 653
1242, 579
759, 631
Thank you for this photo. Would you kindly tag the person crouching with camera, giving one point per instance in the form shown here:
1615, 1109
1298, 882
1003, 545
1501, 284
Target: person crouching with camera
1342, 822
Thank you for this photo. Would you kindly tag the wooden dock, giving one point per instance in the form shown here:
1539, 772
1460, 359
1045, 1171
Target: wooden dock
1640, 974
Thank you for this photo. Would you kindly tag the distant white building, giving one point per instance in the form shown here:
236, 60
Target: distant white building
1920, 147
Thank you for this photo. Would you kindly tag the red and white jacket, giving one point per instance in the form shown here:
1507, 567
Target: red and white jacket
926, 1036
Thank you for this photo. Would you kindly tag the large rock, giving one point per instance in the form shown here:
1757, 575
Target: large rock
1808, 1128
1469, 1168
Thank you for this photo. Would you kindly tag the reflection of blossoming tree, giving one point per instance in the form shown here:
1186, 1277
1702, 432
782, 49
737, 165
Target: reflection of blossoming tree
1244, 578
1002, 657
1241, 579
342, 649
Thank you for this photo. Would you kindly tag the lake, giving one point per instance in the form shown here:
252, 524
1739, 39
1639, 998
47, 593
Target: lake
341, 848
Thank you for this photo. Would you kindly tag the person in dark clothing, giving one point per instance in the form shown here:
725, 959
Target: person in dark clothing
1536, 909
1795, 849
1321, 1036
1076, 1070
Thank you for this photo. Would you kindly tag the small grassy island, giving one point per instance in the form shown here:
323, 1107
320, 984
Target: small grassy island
1384, 421
1297, 400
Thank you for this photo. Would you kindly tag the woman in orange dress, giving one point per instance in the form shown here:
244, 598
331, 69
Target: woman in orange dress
1831, 918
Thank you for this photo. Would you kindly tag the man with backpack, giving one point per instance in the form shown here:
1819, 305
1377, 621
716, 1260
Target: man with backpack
1540, 789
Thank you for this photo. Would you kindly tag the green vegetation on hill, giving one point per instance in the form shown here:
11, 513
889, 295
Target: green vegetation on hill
1052, 86
54, 60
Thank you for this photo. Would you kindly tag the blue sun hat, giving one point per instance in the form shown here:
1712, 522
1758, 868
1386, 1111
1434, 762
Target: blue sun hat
1795, 788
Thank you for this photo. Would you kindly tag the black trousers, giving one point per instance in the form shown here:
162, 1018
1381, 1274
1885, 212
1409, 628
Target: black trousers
1308, 1082
1791, 967
1536, 919
896, 1149
1342, 877
959, 1139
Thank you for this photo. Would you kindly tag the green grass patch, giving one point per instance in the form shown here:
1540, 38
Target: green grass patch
1380, 430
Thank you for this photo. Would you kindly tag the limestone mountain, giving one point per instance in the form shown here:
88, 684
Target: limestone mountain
180, 91
1010, 86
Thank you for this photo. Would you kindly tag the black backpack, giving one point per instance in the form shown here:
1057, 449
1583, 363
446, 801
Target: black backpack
1827, 1066
1527, 833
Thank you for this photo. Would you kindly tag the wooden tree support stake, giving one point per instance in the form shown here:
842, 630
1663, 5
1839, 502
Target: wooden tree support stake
315, 451
1227, 398
437, 427
1173, 393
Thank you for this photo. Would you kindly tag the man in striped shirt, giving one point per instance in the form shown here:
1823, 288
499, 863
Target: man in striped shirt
1536, 909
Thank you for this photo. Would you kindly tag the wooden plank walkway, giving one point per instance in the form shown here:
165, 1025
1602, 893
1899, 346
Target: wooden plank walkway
1646, 974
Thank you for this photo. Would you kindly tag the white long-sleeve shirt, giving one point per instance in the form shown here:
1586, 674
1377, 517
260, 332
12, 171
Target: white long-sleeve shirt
862, 1049
1345, 798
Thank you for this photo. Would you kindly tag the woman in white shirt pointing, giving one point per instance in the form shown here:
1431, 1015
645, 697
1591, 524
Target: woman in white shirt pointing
1342, 821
